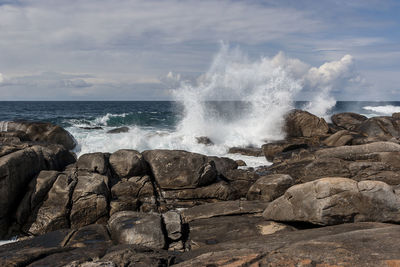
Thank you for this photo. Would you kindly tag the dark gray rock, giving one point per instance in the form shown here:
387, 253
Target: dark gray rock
136, 228
174, 169
128, 163
270, 187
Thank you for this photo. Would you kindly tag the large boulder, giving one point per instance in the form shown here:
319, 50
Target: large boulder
43, 132
299, 123
128, 163
93, 162
384, 128
330, 201
136, 228
175, 169
348, 120
340, 138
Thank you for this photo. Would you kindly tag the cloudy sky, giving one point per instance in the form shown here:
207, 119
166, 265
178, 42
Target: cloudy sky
124, 50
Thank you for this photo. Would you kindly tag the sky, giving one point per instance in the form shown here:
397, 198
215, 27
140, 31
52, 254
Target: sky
130, 50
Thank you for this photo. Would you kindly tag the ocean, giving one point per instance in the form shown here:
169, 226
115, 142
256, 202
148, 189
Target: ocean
170, 124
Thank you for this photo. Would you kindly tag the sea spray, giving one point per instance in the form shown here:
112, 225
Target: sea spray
237, 102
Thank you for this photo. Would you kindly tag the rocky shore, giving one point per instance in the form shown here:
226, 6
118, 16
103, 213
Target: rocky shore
330, 198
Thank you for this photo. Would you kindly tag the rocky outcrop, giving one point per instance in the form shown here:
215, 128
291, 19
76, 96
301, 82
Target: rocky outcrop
247, 151
118, 130
128, 163
43, 132
299, 123
330, 201
348, 120
174, 169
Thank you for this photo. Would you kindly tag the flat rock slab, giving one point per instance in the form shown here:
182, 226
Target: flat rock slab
137, 228
336, 200
356, 244
223, 209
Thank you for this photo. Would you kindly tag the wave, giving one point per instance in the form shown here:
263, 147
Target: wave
385, 110
250, 100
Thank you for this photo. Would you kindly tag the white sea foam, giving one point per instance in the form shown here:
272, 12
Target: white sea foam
3, 126
383, 110
268, 86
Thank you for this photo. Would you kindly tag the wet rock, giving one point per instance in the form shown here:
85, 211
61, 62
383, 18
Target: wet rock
299, 123
128, 163
44, 132
174, 169
270, 187
118, 130
136, 228
240, 163
348, 120
204, 140
247, 151
92, 128
330, 201
93, 162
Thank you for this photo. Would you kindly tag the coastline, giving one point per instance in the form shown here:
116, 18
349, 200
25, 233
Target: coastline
333, 184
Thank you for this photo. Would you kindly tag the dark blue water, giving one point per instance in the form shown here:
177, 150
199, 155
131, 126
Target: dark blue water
160, 114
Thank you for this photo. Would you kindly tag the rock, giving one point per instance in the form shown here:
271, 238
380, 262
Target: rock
216, 230
223, 164
241, 180
190, 197
204, 140
36, 194
18, 168
247, 151
89, 200
330, 201
44, 132
118, 130
131, 194
128, 163
299, 123
53, 213
270, 187
129, 255
87, 235
93, 162
135, 228
173, 224
352, 152
271, 150
222, 209
240, 163
92, 128
348, 120
339, 138
356, 244
174, 169
382, 127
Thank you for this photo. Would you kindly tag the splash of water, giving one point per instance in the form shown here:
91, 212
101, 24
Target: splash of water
267, 89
